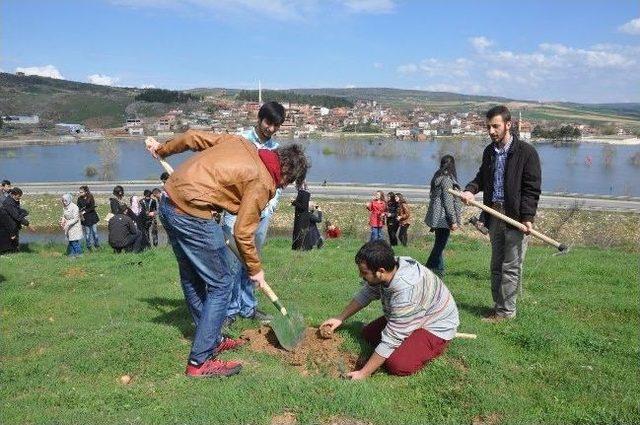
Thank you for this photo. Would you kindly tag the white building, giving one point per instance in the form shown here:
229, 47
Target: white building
133, 122
324, 111
63, 128
428, 132
455, 122
135, 131
403, 132
21, 119
423, 124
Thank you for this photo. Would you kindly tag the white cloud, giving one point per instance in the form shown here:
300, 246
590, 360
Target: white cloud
406, 69
480, 43
43, 71
632, 27
103, 80
370, 6
147, 86
281, 10
597, 73
378, 65
350, 86
497, 74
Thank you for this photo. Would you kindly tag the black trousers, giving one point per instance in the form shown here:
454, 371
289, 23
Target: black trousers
402, 235
392, 228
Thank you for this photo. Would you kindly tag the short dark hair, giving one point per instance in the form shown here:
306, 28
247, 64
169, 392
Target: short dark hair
118, 191
164, 176
146, 193
501, 110
156, 190
273, 112
376, 254
122, 208
16, 191
6, 183
294, 164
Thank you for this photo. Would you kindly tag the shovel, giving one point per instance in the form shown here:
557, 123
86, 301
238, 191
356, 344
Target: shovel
560, 246
289, 326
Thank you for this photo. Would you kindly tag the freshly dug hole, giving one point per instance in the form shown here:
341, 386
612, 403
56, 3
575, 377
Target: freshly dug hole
314, 355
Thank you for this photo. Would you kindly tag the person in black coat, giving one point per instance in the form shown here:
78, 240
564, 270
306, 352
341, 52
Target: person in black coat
301, 220
12, 219
510, 178
315, 218
88, 217
149, 209
392, 219
117, 199
124, 233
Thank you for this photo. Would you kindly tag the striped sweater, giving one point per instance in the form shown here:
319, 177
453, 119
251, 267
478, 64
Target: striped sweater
415, 298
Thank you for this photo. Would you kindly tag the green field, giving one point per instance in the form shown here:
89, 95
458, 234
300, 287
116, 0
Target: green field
71, 329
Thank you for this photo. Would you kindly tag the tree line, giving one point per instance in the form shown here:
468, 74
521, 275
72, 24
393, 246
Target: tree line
292, 97
565, 132
165, 96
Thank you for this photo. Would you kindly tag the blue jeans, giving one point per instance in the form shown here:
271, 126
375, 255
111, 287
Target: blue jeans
91, 232
436, 259
376, 234
242, 299
199, 247
74, 248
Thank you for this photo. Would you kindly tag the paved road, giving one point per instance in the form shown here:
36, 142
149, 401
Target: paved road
358, 191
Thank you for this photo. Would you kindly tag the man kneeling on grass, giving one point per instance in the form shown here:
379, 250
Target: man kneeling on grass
420, 315
228, 173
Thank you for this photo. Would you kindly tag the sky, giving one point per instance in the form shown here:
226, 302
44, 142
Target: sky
545, 50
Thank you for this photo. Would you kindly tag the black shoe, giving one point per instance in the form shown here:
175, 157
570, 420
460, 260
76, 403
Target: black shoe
261, 317
227, 323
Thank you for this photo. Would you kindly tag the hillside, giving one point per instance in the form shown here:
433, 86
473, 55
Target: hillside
102, 106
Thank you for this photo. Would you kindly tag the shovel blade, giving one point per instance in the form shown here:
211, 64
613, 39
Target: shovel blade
289, 329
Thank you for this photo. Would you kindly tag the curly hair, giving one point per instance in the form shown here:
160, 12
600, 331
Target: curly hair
294, 164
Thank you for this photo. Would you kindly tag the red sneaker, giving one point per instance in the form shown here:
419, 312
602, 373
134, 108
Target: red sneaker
213, 368
229, 344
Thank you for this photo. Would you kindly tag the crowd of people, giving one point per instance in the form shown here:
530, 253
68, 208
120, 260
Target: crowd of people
216, 208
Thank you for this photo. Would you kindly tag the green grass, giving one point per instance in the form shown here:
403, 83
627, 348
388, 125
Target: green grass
70, 329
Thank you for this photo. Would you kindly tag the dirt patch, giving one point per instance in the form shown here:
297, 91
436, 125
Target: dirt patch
287, 418
314, 355
341, 420
490, 419
74, 272
459, 364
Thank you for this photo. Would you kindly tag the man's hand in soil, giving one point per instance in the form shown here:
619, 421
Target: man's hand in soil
333, 323
373, 364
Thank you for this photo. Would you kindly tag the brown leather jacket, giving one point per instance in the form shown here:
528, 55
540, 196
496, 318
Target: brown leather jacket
404, 214
226, 173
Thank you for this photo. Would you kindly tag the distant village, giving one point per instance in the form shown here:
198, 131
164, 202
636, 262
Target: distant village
305, 121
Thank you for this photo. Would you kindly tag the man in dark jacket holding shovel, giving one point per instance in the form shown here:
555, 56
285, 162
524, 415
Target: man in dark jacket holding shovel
510, 178
228, 173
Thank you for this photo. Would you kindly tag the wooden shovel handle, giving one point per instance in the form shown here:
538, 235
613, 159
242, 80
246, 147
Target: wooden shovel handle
273, 297
516, 224
465, 336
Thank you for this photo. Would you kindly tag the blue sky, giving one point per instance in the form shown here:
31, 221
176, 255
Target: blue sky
585, 51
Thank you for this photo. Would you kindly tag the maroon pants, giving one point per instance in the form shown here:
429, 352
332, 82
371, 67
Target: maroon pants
417, 350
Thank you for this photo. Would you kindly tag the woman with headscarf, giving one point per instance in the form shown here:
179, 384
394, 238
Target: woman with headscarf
70, 223
443, 214
392, 218
135, 211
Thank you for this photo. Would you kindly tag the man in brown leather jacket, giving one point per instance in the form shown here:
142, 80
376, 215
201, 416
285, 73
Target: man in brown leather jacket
227, 173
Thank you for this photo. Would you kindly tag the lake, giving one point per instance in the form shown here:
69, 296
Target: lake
580, 168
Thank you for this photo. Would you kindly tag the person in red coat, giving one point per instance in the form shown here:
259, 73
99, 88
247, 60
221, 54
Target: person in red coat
377, 209
332, 231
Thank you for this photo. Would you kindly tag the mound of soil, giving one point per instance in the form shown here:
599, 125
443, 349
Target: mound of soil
74, 272
314, 355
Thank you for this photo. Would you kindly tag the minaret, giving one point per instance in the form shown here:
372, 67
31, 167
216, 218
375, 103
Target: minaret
519, 121
259, 92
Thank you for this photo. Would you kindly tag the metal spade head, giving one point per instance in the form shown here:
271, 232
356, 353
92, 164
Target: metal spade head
289, 329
